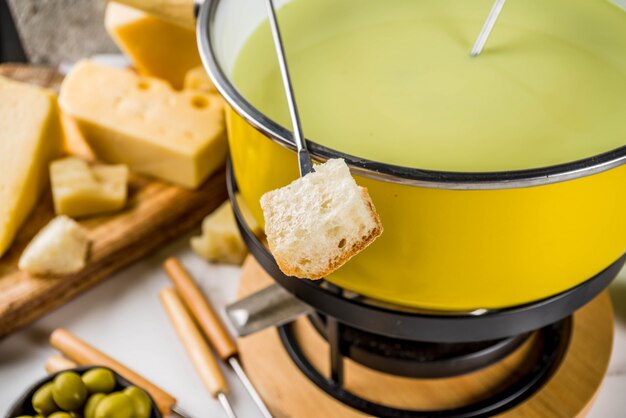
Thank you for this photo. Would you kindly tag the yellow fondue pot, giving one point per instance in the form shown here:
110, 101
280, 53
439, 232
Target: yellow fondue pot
453, 241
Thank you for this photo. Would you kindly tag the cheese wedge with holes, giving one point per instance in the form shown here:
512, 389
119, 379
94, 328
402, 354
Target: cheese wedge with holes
30, 137
80, 190
156, 47
143, 123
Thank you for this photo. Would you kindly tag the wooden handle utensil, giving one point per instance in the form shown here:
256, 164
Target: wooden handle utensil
205, 316
84, 355
194, 343
180, 12
56, 363
212, 326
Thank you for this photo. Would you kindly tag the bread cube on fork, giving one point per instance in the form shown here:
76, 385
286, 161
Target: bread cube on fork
320, 221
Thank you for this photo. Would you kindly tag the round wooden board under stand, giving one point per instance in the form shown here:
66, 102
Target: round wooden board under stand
568, 393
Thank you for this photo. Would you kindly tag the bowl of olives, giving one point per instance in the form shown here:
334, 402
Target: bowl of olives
84, 392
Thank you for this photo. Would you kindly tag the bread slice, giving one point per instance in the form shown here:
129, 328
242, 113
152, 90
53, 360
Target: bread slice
318, 222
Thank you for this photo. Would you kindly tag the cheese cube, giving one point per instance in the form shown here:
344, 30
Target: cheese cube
220, 240
30, 137
143, 123
198, 79
156, 47
80, 190
60, 248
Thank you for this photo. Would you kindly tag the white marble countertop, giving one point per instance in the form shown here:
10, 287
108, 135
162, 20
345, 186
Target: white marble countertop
123, 318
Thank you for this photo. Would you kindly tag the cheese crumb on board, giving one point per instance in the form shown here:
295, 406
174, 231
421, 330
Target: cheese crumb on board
221, 241
30, 137
143, 123
318, 222
81, 190
156, 47
59, 249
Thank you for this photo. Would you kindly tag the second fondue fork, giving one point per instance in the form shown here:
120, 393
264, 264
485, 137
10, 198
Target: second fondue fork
479, 45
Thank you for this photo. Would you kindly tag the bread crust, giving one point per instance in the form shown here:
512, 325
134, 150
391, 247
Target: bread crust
291, 269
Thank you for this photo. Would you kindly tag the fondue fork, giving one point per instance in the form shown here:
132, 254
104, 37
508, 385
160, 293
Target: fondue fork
210, 325
197, 349
304, 158
479, 45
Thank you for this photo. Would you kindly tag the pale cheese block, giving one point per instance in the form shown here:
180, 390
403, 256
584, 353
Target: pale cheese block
156, 47
145, 124
60, 248
30, 137
80, 190
198, 79
221, 241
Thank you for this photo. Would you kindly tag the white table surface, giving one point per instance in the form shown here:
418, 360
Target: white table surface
123, 318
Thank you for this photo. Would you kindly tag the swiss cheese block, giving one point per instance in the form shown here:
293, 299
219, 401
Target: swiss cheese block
143, 123
198, 79
80, 190
30, 137
156, 47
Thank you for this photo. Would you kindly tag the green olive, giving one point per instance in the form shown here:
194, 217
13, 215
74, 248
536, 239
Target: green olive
43, 401
69, 391
141, 401
115, 405
99, 380
60, 415
92, 403
25, 416
75, 414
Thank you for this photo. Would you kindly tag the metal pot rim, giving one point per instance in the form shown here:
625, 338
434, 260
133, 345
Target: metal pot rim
388, 172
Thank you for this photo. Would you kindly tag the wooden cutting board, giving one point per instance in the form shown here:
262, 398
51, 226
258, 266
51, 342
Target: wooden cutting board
155, 214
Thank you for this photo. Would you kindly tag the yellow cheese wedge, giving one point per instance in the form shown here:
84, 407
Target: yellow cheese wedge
156, 47
143, 123
80, 190
198, 79
220, 240
30, 137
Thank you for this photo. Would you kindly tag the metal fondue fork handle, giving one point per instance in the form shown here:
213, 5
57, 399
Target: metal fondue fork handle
304, 158
479, 45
